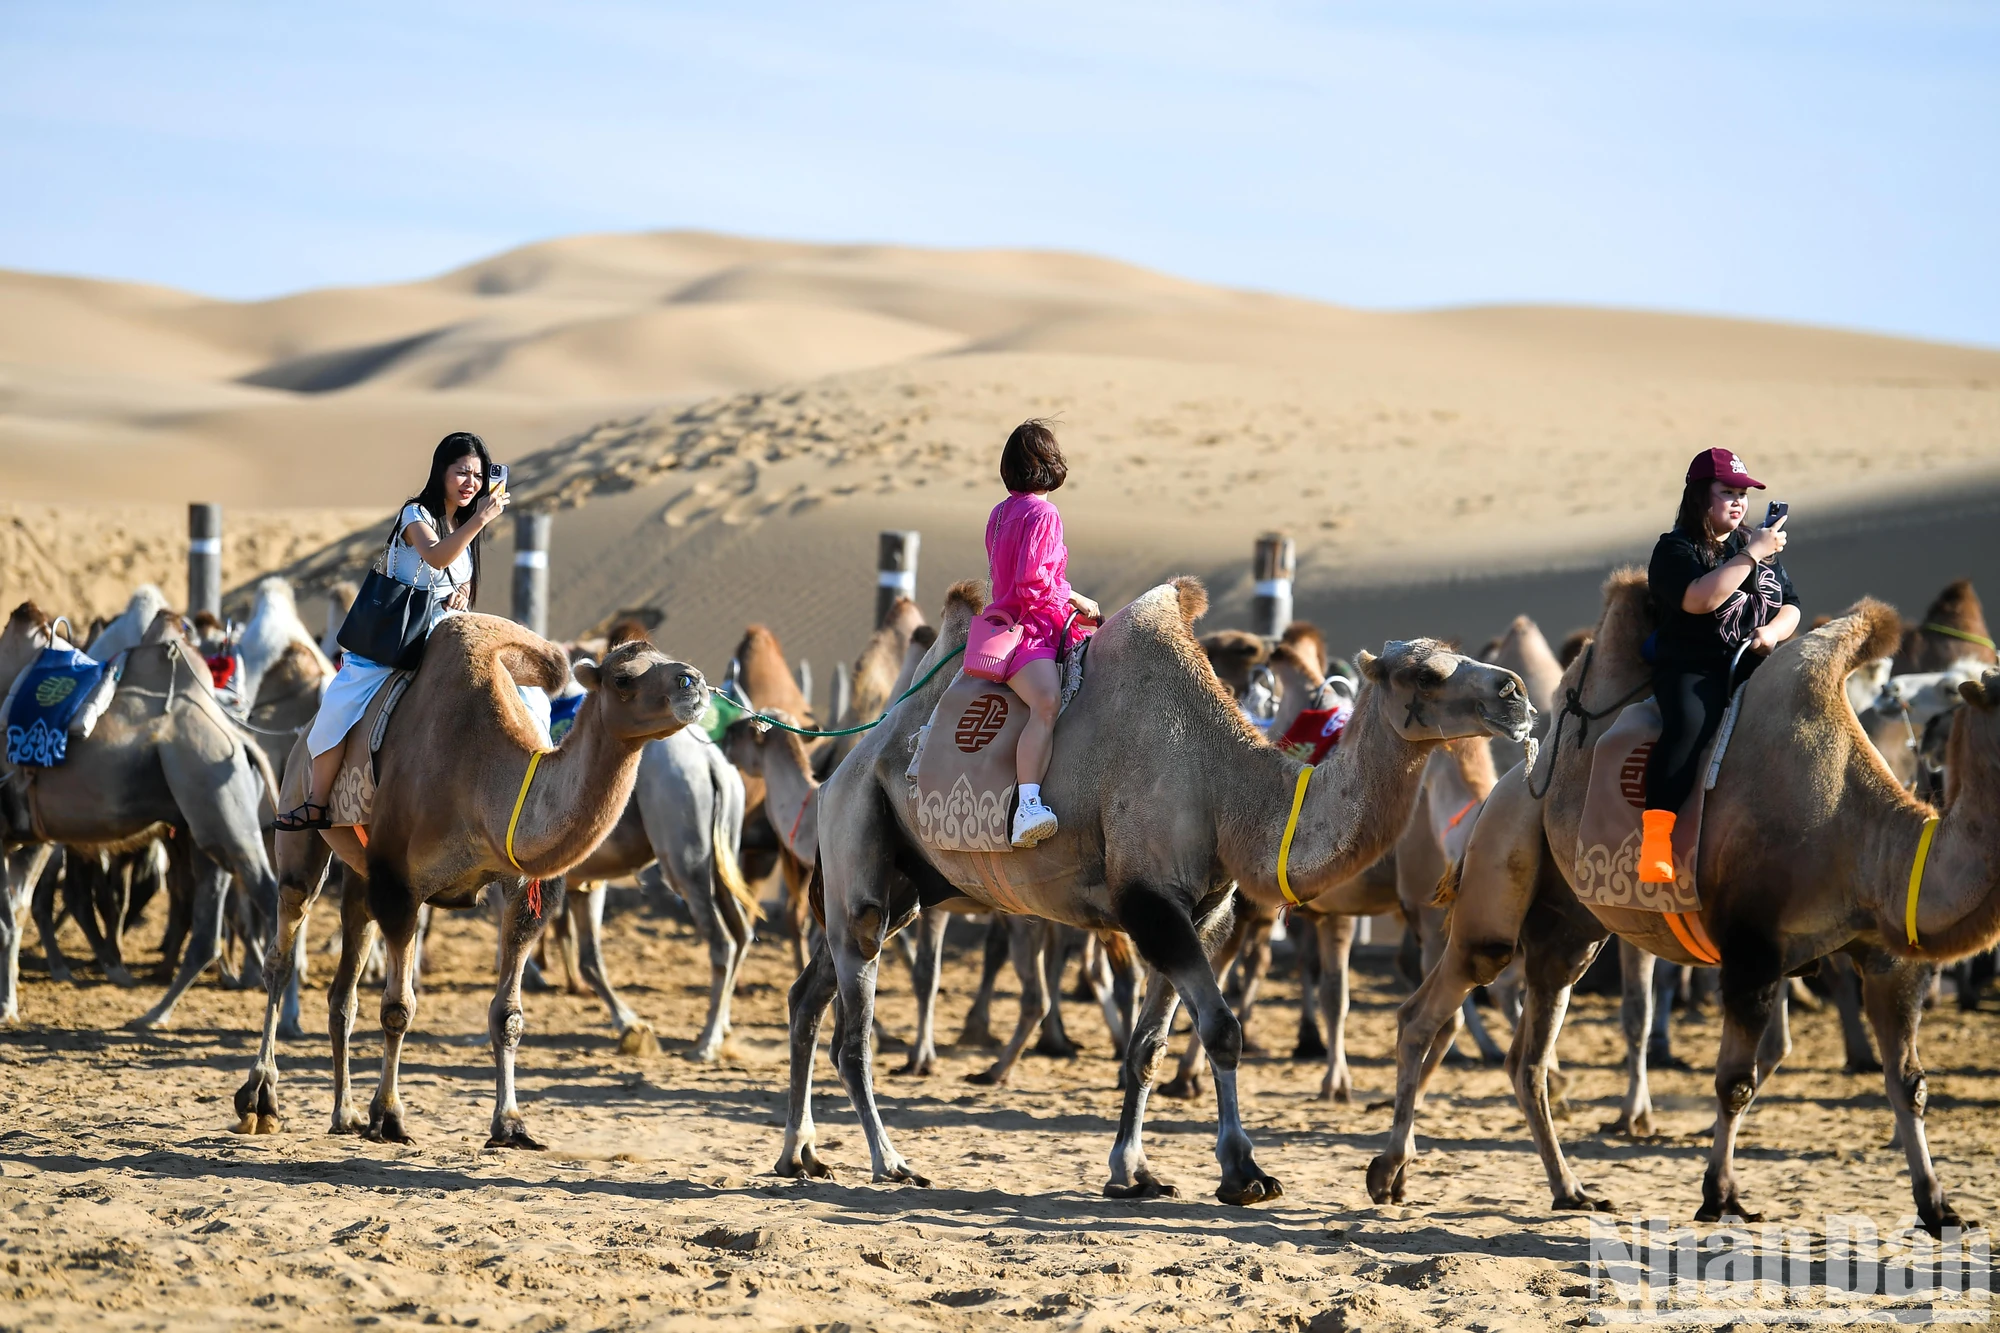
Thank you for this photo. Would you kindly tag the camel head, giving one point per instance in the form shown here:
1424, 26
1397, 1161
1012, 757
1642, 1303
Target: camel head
1433, 693
644, 695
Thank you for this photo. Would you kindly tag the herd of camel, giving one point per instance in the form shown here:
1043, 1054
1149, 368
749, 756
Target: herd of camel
1454, 799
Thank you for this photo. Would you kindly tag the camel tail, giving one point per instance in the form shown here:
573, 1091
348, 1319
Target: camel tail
730, 874
816, 895
1447, 889
1117, 948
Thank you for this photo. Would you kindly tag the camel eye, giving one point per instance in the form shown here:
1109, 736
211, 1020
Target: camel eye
685, 680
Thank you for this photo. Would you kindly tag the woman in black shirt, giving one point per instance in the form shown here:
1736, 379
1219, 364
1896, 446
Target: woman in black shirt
1716, 585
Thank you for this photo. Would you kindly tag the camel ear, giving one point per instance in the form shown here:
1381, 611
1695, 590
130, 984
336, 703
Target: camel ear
1369, 665
586, 673
1974, 693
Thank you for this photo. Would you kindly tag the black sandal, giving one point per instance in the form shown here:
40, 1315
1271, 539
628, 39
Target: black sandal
302, 819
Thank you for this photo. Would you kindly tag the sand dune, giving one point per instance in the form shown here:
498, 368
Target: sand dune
722, 404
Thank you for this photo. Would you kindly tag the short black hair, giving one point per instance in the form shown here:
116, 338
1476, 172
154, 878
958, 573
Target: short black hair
1032, 460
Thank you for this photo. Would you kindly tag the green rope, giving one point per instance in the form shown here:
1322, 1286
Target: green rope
844, 731
1947, 630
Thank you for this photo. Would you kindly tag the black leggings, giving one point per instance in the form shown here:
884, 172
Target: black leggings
1692, 701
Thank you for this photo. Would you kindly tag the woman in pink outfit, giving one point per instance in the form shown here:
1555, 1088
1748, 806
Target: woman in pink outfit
1030, 566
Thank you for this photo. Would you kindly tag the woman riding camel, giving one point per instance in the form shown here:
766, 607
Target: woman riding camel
1716, 586
432, 548
1030, 566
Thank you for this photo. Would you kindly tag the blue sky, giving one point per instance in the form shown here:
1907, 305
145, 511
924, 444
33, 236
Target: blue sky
1825, 162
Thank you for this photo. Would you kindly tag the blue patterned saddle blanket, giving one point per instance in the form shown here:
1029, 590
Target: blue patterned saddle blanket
62, 690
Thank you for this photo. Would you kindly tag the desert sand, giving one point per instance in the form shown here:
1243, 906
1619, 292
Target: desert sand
126, 1203
722, 425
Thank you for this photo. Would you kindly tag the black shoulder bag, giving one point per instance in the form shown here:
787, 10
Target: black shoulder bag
390, 619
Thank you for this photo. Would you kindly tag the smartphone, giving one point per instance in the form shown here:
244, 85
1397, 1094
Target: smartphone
1777, 510
496, 476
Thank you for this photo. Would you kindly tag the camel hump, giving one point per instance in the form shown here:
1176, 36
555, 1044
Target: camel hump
1193, 598
481, 642
1865, 631
967, 595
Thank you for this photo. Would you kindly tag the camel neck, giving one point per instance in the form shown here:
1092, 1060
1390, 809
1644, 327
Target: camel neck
1958, 903
1356, 806
789, 787
578, 792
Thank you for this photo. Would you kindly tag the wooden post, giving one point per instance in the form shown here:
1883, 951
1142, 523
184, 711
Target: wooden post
896, 571
1275, 563
204, 559
531, 571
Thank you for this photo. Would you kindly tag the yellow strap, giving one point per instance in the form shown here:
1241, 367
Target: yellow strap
534, 762
1291, 827
1917, 879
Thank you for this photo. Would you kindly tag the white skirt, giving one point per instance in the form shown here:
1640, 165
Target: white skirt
353, 688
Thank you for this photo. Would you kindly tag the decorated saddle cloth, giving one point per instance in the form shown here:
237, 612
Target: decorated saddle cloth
963, 771
60, 694
353, 798
1607, 853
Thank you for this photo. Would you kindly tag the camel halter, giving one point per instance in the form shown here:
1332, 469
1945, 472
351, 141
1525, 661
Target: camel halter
1285, 844
1951, 633
514, 820
1917, 878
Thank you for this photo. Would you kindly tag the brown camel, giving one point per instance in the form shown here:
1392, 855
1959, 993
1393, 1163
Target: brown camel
454, 764
1953, 628
1807, 849
163, 753
1168, 796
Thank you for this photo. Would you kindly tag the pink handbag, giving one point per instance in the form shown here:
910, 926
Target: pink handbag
990, 645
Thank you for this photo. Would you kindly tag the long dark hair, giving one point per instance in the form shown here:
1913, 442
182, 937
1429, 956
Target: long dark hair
449, 450
1692, 520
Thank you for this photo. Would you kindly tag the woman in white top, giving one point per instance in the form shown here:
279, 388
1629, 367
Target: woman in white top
437, 556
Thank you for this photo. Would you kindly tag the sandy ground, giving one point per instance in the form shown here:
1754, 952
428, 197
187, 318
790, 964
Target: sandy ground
125, 1203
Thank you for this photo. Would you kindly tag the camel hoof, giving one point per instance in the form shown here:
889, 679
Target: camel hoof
148, 1022
291, 1032
903, 1175
247, 1125
515, 1136
1145, 1185
1658, 1059
638, 1040
1180, 1088
1869, 1066
1946, 1216
387, 1129
1309, 1050
979, 1037
1582, 1202
269, 1124
1058, 1050
915, 1068
1730, 1209
989, 1078
1386, 1104
1336, 1092
1257, 1189
1630, 1126
120, 978
1385, 1180
347, 1123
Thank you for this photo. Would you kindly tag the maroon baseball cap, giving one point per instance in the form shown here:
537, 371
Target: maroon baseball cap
1721, 465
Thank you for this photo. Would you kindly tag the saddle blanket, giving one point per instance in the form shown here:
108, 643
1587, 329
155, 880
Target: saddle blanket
964, 767
562, 715
61, 691
1607, 853
1315, 732
353, 798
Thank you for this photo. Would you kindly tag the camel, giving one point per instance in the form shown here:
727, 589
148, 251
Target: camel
163, 754
103, 889
459, 754
1953, 627
1168, 795
686, 814
873, 680
1807, 849
124, 631
22, 870
1040, 951
339, 600
1522, 649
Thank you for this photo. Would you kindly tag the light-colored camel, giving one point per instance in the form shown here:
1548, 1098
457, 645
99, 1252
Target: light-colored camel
164, 755
1168, 795
874, 677
453, 770
339, 599
1523, 650
126, 629
686, 814
1807, 849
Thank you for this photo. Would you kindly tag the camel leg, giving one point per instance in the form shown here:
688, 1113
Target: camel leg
1336, 939
978, 1029
1755, 1036
257, 1099
924, 976
1103, 981
1186, 1083
794, 876
21, 873
343, 994
1027, 940
1131, 1176
1310, 1045
857, 954
1054, 1041
204, 945
289, 1026
1894, 992
1845, 983
1253, 963
89, 898
725, 955
504, 1020
114, 903
399, 1009
586, 916
810, 994
1505, 866
1559, 944
43, 898
1635, 1015
1430, 927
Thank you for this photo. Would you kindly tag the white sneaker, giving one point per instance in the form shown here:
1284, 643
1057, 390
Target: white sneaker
1033, 822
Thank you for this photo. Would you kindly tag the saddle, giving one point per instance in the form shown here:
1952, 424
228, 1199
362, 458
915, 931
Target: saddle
1607, 851
60, 694
353, 796
962, 774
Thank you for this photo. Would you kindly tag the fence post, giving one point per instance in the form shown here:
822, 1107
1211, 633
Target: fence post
531, 571
204, 559
1271, 607
896, 571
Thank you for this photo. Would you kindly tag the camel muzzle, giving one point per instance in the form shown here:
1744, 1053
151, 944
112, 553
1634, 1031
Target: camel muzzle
1515, 725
